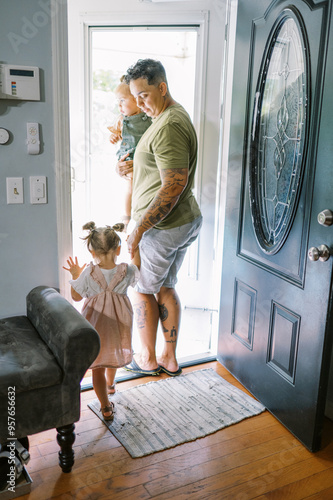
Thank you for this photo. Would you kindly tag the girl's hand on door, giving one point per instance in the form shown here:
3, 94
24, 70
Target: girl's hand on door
74, 268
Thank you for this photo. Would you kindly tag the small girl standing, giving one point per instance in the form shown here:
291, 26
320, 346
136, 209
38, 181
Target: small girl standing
107, 306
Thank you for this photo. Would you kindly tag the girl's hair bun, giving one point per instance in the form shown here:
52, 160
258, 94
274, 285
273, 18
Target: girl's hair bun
89, 226
102, 240
118, 227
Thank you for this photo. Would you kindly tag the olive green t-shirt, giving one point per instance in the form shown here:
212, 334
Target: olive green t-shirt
170, 142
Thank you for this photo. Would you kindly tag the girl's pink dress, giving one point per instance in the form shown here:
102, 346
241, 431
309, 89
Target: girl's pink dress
111, 314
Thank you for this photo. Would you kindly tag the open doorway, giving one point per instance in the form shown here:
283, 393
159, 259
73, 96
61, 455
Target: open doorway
97, 191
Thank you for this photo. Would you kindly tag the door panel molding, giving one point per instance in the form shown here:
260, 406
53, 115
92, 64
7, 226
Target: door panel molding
283, 341
244, 312
296, 257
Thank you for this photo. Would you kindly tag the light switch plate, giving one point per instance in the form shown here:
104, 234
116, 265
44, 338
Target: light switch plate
14, 190
38, 190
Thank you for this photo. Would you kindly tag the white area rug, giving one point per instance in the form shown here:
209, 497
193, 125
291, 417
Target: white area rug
159, 415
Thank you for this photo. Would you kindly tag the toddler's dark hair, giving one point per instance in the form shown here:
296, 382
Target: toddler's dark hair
102, 240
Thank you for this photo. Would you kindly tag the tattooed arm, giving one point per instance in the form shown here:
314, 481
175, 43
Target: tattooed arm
174, 181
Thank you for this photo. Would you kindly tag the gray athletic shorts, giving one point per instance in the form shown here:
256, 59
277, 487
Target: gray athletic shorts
162, 252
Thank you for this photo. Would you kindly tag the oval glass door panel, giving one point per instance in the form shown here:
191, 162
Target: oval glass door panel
279, 132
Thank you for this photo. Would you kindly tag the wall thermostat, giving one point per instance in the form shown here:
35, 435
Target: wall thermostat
19, 82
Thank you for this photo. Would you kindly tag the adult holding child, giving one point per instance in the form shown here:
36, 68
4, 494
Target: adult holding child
167, 216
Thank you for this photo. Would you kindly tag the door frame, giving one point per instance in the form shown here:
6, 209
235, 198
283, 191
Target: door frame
226, 100
61, 139
138, 20
213, 14
60, 61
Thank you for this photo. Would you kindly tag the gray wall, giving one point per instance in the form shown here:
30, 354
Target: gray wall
28, 233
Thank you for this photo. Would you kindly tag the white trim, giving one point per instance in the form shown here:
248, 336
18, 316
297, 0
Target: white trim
87, 111
226, 93
135, 18
61, 140
221, 188
165, 1
199, 124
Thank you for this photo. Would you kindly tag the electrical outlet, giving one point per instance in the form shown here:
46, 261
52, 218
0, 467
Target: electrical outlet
14, 190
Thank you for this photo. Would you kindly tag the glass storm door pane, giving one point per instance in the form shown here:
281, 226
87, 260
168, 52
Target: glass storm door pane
279, 134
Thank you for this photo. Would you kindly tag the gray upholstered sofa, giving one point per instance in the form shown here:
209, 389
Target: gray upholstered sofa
43, 357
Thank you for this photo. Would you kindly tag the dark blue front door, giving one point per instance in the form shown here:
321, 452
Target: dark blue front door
276, 312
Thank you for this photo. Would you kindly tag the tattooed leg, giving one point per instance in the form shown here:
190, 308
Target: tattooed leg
169, 312
146, 316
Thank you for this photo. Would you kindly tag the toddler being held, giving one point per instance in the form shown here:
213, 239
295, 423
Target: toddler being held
128, 128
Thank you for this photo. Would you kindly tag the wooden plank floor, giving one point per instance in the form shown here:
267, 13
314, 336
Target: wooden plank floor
256, 458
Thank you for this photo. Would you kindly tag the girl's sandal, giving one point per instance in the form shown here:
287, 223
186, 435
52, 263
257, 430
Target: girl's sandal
108, 409
112, 389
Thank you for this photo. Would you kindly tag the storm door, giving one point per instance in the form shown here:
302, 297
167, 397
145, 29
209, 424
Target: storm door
98, 192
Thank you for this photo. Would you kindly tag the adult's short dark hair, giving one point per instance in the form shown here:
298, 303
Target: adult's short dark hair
153, 71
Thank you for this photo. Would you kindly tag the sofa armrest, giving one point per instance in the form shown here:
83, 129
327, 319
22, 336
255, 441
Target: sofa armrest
73, 341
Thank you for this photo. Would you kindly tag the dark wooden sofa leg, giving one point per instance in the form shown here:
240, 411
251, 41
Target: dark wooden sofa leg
65, 439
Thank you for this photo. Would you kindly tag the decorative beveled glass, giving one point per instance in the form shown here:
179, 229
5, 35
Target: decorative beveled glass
279, 134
